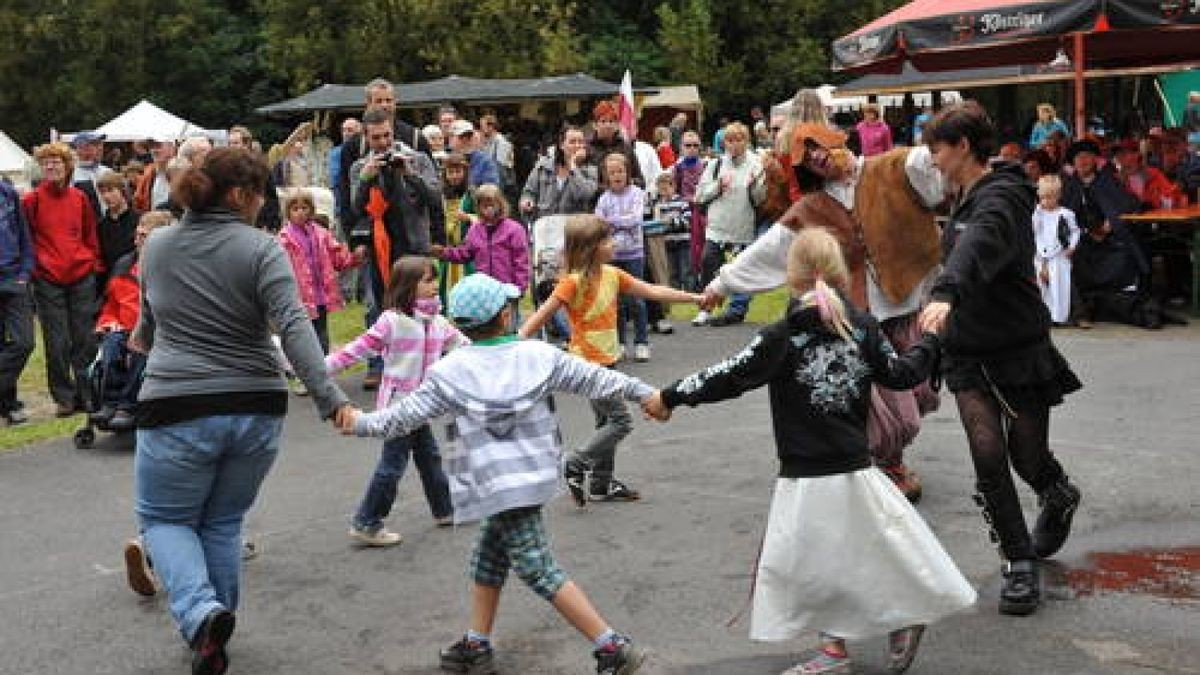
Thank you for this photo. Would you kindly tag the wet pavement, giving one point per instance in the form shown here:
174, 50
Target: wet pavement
1121, 598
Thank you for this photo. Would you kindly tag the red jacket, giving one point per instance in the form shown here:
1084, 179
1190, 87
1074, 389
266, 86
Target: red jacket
122, 298
63, 226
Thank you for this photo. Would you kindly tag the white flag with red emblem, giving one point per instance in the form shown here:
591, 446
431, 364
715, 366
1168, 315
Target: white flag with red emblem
628, 118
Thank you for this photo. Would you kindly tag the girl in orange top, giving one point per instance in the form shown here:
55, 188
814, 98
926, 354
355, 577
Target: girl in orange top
590, 292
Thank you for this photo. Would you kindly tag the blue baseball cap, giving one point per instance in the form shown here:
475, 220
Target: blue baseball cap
478, 298
85, 137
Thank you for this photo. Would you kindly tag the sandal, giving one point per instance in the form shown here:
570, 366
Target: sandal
823, 663
902, 647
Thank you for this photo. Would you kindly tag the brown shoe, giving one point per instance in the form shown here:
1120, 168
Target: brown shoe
371, 381
137, 569
906, 480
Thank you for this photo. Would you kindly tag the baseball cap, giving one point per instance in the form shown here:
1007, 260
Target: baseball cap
478, 298
85, 137
460, 127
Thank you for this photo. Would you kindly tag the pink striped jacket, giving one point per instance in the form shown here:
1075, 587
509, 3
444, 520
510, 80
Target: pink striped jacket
409, 345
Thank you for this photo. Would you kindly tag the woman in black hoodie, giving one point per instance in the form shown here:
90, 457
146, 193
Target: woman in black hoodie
999, 361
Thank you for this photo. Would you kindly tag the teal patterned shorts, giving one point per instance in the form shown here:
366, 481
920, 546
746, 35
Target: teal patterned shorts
516, 538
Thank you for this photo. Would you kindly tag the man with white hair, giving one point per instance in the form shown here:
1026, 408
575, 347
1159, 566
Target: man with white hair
153, 188
195, 148
88, 147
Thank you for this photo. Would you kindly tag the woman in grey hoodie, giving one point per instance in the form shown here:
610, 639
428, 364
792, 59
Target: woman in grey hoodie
212, 406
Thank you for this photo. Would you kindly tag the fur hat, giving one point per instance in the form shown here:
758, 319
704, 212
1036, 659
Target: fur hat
822, 134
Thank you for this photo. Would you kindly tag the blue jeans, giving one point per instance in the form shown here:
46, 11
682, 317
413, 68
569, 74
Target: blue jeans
381, 491
194, 482
375, 363
122, 371
632, 305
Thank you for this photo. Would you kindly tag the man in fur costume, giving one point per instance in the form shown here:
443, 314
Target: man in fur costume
881, 211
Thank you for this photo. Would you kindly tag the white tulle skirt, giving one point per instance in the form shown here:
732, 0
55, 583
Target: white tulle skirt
848, 555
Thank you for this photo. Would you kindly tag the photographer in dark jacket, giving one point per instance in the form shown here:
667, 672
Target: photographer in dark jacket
381, 95
998, 358
395, 213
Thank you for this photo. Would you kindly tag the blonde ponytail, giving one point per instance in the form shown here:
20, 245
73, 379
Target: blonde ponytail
816, 272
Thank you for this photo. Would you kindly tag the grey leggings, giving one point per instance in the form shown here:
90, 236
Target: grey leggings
613, 423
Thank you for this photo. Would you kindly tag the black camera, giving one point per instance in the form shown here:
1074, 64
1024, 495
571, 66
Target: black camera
395, 156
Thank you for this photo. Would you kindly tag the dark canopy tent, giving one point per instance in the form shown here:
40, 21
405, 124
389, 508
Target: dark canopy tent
936, 35
450, 90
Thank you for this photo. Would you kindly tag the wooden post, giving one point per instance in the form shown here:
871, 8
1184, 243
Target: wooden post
1080, 98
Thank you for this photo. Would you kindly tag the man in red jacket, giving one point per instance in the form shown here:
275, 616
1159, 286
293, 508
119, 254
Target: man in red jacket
62, 224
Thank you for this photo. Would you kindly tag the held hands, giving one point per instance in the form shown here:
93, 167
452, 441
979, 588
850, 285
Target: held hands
526, 205
710, 300
933, 317
653, 408
345, 417
436, 250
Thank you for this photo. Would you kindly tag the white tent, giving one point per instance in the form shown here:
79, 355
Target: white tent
15, 163
835, 103
148, 121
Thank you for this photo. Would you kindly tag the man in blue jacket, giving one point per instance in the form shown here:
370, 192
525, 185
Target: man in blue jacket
482, 169
16, 310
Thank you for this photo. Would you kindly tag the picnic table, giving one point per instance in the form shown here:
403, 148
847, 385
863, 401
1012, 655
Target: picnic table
1175, 225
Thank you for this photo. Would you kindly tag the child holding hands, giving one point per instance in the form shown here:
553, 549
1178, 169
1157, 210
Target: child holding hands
830, 505
498, 391
589, 291
410, 335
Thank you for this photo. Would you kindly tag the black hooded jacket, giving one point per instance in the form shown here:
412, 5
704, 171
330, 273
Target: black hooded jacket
989, 276
819, 385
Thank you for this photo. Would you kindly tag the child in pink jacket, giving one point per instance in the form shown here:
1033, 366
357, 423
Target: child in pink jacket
316, 259
497, 244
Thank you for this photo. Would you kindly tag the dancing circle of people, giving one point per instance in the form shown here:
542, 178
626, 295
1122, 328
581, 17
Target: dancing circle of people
884, 307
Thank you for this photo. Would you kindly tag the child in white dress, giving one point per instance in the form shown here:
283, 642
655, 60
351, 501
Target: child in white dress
1055, 234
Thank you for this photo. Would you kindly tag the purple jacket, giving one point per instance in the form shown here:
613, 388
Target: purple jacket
500, 251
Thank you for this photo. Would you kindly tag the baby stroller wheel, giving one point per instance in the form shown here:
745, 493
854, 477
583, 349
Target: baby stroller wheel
85, 438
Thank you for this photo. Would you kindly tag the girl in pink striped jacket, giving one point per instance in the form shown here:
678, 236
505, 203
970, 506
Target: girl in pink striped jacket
410, 335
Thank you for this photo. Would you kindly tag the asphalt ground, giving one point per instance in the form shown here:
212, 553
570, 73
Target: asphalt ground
672, 570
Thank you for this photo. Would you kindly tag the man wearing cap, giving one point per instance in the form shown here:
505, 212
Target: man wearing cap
606, 139
482, 169
88, 147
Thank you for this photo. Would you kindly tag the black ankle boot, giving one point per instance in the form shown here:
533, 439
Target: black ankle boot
1021, 592
1058, 502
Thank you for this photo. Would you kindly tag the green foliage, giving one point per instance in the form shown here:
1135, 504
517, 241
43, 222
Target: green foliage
72, 64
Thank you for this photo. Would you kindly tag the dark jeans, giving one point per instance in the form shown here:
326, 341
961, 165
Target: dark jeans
679, 252
122, 371
381, 491
715, 254
631, 305
67, 315
16, 339
321, 326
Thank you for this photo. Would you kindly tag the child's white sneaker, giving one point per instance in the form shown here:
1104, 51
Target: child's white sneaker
701, 318
378, 537
641, 353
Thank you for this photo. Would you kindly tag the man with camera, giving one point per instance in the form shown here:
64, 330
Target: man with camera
395, 211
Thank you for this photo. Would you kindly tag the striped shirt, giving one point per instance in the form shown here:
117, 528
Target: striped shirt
507, 446
409, 345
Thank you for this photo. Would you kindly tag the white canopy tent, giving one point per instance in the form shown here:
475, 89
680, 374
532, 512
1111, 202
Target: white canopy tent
148, 121
15, 164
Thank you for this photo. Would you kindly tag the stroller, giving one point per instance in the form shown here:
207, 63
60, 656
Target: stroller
114, 375
548, 235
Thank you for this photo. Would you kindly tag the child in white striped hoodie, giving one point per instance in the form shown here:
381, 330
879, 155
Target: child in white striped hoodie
410, 335
506, 465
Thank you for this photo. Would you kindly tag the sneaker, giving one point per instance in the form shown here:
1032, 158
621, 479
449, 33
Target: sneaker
209, 657
614, 491
137, 569
902, 647
468, 656
641, 353
726, 319
371, 381
823, 663
15, 416
663, 327
122, 420
578, 479
444, 521
701, 318
377, 537
619, 658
